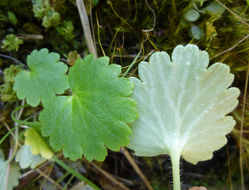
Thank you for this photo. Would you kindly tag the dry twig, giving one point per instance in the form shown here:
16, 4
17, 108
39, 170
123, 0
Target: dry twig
232, 47
241, 131
136, 168
233, 13
109, 176
86, 27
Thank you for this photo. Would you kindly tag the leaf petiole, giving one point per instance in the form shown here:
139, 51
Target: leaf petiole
175, 162
20, 122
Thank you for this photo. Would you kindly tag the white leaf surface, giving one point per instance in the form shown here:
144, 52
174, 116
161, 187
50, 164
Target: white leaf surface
26, 159
182, 105
11, 172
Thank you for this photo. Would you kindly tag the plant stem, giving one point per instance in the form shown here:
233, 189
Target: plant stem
175, 161
174, 10
133, 62
31, 124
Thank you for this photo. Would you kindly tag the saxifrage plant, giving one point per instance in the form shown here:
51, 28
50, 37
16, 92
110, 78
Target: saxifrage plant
182, 107
91, 116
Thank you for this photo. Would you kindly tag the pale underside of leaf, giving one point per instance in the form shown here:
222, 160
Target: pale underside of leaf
13, 174
95, 116
182, 105
26, 159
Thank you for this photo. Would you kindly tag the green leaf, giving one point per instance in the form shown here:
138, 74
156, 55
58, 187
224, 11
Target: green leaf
182, 105
201, 2
13, 174
196, 32
46, 78
37, 144
191, 15
214, 9
12, 17
26, 159
95, 116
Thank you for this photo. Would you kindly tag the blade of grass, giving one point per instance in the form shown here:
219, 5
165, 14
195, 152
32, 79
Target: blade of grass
68, 182
75, 173
98, 26
115, 12
233, 13
232, 47
132, 63
7, 134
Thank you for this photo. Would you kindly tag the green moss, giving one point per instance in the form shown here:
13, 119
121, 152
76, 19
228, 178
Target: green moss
66, 30
11, 43
45, 11
6, 89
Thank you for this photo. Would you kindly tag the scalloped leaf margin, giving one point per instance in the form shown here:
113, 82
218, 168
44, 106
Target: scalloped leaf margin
96, 116
182, 105
45, 79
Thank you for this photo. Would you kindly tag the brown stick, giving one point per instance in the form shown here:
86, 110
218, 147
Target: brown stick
136, 168
233, 13
232, 47
109, 176
86, 27
241, 132
31, 37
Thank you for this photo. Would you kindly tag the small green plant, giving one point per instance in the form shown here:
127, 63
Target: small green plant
182, 107
191, 16
84, 112
92, 116
6, 89
11, 43
44, 11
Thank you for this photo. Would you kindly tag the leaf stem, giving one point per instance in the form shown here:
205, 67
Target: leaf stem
14, 60
31, 124
175, 161
75, 173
